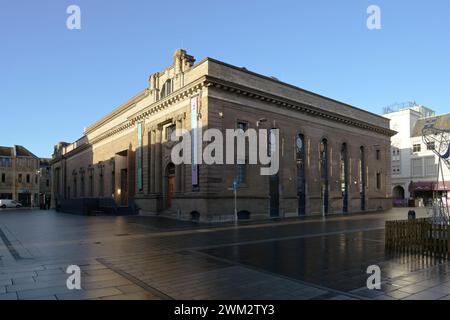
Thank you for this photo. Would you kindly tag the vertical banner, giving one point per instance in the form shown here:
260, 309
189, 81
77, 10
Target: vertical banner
140, 178
194, 139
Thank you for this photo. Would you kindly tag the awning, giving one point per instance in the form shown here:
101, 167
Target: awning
429, 186
442, 186
421, 186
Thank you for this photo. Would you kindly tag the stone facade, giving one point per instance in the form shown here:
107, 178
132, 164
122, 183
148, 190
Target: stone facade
19, 175
126, 156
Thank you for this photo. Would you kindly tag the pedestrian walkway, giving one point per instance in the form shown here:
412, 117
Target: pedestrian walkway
136, 258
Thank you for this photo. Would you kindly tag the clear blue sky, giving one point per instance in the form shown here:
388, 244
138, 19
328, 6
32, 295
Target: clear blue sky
54, 82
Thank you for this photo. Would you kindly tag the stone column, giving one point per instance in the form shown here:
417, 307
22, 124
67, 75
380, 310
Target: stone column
178, 168
152, 161
145, 161
158, 161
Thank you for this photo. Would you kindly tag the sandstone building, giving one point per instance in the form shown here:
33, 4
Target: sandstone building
19, 175
334, 158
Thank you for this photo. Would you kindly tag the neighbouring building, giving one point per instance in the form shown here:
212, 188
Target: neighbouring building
19, 175
334, 158
414, 164
45, 179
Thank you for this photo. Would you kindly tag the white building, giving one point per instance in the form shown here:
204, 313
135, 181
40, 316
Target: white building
414, 165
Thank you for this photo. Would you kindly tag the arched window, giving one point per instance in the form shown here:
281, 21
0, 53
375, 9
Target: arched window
301, 181
166, 89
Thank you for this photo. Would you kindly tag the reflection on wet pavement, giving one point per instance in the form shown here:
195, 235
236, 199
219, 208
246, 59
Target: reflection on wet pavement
163, 258
335, 261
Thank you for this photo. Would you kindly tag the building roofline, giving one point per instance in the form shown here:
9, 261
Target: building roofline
116, 112
142, 94
288, 85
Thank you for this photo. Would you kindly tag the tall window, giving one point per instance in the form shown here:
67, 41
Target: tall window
139, 157
113, 178
241, 163
91, 182
344, 176
113, 183
82, 184
28, 178
378, 154
19, 178
301, 179
102, 182
75, 185
166, 88
362, 177
169, 130
3, 178
378, 180
324, 173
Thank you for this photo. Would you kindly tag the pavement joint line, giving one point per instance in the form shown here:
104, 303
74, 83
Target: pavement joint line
9, 246
284, 238
313, 285
135, 280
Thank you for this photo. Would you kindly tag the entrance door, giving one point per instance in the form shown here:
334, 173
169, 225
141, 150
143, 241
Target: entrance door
25, 199
170, 173
124, 187
170, 190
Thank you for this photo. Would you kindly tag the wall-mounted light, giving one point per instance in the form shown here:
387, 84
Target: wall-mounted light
262, 120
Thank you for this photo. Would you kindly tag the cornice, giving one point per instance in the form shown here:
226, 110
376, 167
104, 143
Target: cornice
208, 81
294, 105
177, 96
150, 110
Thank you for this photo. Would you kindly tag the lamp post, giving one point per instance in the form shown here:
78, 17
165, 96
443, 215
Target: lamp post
233, 188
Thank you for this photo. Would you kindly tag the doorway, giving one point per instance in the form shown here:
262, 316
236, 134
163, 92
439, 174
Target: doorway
170, 173
25, 199
124, 187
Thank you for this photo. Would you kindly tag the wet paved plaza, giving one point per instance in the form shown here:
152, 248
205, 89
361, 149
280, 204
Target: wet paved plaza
141, 257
